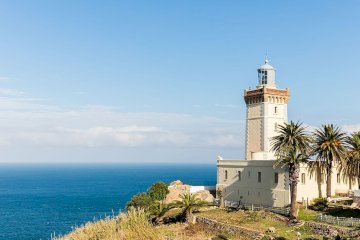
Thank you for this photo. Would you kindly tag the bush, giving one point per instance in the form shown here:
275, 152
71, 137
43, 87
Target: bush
320, 204
158, 191
140, 200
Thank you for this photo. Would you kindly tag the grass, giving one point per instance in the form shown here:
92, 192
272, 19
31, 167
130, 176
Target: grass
260, 221
132, 225
135, 225
307, 214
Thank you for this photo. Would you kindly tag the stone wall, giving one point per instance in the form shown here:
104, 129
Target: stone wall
331, 230
228, 228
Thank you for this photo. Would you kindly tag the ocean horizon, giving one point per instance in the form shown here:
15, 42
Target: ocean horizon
38, 200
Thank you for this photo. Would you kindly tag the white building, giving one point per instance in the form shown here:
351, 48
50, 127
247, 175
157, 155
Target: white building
255, 180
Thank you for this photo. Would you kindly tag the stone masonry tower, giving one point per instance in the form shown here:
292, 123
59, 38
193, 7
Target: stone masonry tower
266, 110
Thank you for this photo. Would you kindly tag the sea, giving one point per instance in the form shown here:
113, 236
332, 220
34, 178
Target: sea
38, 201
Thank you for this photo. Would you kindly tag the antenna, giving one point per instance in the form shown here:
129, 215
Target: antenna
266, 57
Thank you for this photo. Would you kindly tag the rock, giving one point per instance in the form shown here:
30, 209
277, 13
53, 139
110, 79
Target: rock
177, 188
333, 233
205, 195
271, 230
176, 182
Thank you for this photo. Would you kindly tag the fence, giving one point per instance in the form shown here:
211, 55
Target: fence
256, 207
341, 221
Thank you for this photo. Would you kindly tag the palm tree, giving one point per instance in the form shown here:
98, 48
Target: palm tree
351, 166
291, 135
158, 210
329, 148
291, 147
189, 202
292, 161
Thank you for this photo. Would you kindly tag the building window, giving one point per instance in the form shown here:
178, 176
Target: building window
249, 174
248, 193
276, 177
259, 176
303, 178
239, 175
275, 110
322, 178
258, 194
338, 178
226, 175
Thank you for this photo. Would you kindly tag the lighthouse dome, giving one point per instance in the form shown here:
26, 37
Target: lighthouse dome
266, 74
266, 65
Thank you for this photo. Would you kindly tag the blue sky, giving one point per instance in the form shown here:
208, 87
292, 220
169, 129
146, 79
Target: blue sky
162, 81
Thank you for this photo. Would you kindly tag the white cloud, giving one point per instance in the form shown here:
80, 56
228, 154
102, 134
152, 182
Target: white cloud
351, 128
26, 121
4, 79
11, 92
231, 106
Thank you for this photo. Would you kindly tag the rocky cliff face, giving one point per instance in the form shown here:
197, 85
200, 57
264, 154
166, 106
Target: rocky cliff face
178, 188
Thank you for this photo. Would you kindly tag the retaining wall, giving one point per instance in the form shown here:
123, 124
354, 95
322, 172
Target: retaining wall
228, 228
331, 230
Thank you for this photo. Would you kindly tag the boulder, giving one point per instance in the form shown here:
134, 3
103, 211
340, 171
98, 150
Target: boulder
176, 182
177, 188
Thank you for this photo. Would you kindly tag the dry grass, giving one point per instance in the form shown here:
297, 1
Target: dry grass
135, 225
132, 225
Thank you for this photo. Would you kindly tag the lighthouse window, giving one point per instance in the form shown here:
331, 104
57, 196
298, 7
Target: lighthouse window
262, 76
275, 110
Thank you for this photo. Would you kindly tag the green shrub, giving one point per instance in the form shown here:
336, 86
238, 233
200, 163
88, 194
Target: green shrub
158, 191
140, 200
320, 204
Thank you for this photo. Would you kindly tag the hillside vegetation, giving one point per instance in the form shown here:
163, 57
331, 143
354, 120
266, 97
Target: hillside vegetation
135, 225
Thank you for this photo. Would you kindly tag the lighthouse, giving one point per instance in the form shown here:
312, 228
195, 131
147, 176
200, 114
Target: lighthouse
266, 110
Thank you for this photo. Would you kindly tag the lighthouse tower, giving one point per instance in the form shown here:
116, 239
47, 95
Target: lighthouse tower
266, 110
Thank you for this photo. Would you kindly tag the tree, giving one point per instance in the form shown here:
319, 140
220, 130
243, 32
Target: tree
329, 148
140, 200
292, 160
188, 203
351, 166
291, 147
291, 135
158, 191
157, 210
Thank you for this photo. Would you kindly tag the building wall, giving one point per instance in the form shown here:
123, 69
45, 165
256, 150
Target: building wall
272, 120
266, 109
254, 128
247, 188
314, 185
